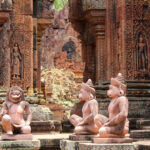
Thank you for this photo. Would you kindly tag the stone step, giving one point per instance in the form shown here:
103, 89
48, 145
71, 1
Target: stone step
142, 145
145, 128
140, 134
142, 122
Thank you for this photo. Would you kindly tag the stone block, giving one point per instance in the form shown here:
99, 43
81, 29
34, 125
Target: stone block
92, 146
112, 140
81, 137
20, 145
70, 145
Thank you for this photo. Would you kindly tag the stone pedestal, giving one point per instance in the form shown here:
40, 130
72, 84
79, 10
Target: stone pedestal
20, 145
112, 140
81, 137
17, 137
70, 145
92, 146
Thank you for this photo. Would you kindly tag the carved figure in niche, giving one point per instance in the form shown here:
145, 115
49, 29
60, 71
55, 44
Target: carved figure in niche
117, 125
142, 54
16, 62
85, 124
70, 48
13, 110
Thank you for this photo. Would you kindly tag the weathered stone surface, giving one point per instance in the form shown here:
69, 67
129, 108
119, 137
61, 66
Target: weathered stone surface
67, 126
41, 113
6, 5
140, 134
81, 137
50, 141
44, 8
21, 145
46, 126
111, 140
93, 146
71, 145
19, 137
63, 37
142, 145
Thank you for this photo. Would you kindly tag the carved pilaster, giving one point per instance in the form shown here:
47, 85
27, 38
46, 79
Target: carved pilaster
100, 52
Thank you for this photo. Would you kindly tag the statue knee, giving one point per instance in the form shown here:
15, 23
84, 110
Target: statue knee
96, 118
102, 132
77, 130
26, 130
97, 121
72, 117
6, 118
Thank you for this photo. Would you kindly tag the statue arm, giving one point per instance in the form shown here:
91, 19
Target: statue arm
4, 110
29, 114
94, 111
123, 106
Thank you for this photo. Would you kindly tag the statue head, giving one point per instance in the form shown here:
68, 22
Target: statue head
141, 38
15, 94
16, 47
117, 87
87, 92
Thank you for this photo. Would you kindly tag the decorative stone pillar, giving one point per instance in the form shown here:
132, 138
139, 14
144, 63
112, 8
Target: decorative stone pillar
100, 52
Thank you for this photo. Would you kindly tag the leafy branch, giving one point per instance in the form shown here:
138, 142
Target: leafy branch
59, 4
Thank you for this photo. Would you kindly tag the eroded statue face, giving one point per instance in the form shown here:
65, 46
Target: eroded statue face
113, 91
83, 95
15, 95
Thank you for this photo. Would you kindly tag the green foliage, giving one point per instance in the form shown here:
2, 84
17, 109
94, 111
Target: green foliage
61, 83
59, 4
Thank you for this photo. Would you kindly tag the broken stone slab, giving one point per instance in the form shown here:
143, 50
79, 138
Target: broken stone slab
112, 140
93, 146
86, 137
17, 137
20, 145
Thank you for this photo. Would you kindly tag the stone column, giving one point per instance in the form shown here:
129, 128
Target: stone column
100, 52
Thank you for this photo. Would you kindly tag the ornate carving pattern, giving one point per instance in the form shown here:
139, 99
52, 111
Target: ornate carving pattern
94, 4
129, 39
137, 40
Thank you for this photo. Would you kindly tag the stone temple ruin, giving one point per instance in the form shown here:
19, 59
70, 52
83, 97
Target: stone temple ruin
94, 39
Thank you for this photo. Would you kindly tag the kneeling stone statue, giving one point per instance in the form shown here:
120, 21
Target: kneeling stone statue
12, 114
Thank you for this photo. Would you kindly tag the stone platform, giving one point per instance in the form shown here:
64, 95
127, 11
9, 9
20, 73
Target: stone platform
111, 140
20, 145
42, 141
92, 146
